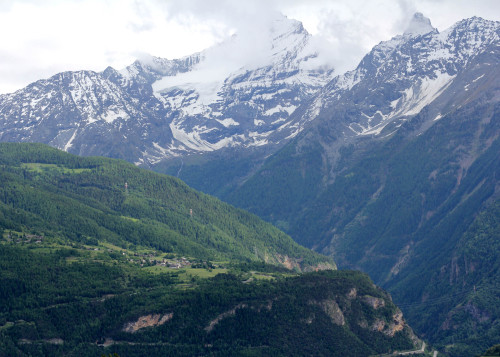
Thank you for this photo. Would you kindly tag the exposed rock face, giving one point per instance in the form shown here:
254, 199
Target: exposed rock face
288, 262
266, 306
297, 264
352, 294
396, 325
55, 341
332, 309
388, 329
151, 320
321, 266
214, 322
373, 301
378, 325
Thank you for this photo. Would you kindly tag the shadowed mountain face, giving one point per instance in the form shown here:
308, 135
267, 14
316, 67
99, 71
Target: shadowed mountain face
459, 117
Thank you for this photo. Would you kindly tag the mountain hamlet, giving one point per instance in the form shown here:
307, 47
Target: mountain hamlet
391, 169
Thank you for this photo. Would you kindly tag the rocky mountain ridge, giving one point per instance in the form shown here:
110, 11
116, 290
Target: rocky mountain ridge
400, 77
158, 108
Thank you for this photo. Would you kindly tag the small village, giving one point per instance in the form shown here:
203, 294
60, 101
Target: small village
151, 260
24, 238
144, 259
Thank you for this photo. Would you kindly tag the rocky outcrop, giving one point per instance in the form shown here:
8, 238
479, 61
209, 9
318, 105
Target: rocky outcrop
151, 320
352, 294
265, 306
397, 324
289, 263
332, 309
321, 266
378, 325
232, 312
389, 329
373, 301
299, 265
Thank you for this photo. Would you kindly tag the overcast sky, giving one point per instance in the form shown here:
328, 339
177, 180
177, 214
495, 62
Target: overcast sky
40, 38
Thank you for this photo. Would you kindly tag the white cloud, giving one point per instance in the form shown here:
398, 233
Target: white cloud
41, 38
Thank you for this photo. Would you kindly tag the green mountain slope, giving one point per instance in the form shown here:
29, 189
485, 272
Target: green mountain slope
89, 267
85, 200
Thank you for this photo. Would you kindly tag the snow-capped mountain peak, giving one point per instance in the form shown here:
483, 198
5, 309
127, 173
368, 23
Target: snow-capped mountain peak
246, 92
250, 84
284, 42
241, 92
405, 74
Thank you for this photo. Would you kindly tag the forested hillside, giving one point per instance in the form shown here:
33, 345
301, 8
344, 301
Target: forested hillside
53, 306
89, 200
98, 257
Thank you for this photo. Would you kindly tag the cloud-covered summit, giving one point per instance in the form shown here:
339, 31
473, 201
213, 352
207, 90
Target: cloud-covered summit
419, 25
42, 38
279, 42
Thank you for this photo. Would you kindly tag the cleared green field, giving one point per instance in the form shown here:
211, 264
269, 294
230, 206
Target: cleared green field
185, 274
38, 167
